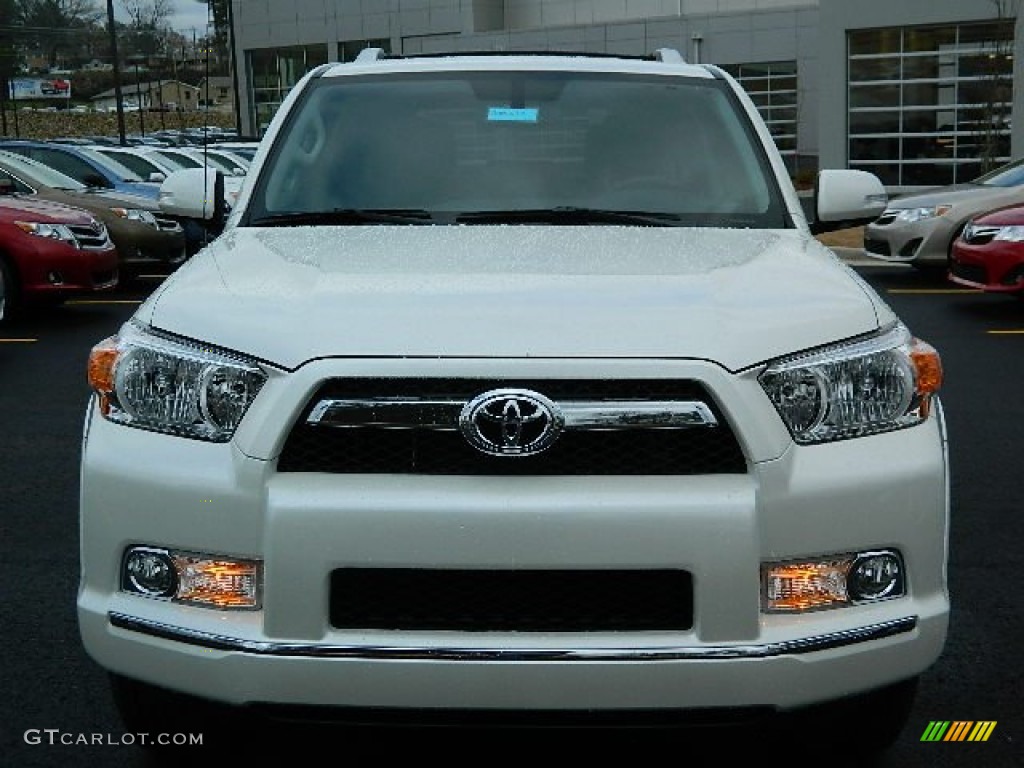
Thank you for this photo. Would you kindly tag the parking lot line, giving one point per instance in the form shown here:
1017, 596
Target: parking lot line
1014, 332
925, 291
18, 341
104, 301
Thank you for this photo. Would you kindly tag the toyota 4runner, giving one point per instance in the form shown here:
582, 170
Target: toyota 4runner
517, 384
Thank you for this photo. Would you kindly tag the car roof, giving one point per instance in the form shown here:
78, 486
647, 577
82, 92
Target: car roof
665, 61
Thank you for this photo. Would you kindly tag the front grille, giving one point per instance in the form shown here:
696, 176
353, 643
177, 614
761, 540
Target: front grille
167, 225
377, 449
971, 272
90, 237
978, 235
476, 600
876, 246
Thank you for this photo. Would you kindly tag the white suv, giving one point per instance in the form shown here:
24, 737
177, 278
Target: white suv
517, 384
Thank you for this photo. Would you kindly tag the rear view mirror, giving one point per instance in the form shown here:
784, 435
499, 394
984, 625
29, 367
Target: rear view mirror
157, 176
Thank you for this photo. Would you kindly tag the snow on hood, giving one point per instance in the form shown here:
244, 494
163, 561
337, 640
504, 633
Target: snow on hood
737, 297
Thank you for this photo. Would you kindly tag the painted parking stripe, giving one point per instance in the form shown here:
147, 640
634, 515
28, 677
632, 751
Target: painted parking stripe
18, 341
104, 301
937, 291
1015, 332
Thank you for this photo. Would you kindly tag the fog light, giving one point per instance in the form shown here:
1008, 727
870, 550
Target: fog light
831, 581
149, 572
876, 575
192, 577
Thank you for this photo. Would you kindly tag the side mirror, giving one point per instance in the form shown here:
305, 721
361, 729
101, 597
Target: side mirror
195, 193
157, 176
845, 198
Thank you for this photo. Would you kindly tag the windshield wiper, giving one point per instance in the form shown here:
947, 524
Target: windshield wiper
568, 214
346, 216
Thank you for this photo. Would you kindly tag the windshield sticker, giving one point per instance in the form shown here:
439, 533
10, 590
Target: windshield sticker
510, 115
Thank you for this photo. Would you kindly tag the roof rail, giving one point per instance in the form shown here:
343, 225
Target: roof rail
668, 55
370, 54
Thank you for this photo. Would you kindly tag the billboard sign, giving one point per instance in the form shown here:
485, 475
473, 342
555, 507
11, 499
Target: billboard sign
35, 88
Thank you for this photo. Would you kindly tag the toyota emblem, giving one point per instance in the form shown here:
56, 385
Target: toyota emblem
511, 422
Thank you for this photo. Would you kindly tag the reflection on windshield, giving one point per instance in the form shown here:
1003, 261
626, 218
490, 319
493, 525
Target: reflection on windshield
515, 142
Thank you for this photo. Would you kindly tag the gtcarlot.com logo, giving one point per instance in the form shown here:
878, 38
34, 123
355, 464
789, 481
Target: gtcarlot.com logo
958, 730
55, 736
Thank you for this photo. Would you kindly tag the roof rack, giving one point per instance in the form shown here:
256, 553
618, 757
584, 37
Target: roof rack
666, 55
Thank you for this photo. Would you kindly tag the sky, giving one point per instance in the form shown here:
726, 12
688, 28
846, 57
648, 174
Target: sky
189, 14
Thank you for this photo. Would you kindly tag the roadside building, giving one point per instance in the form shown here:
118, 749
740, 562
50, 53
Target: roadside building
920, 93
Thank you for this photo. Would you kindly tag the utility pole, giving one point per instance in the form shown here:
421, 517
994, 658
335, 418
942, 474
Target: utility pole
117, 72
233, 63
138, 94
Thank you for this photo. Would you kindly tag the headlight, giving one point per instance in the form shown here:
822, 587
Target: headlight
858, 388
136, 214
158, 382
910, 215
1010, 234
51, 231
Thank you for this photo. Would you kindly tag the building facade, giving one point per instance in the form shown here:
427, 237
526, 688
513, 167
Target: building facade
919, 92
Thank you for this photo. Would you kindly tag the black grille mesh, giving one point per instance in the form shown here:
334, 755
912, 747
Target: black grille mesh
511, 600
972, 272
421, 451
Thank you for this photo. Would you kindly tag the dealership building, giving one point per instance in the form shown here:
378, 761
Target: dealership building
919, 92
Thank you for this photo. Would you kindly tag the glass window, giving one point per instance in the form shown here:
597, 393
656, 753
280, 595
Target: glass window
467, 143
874, 122
772, 87
889, 173
867, 41
875, 69
943, 92
273, 72
874, 96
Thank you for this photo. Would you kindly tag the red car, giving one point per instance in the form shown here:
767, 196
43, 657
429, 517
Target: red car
989, 254
50, 252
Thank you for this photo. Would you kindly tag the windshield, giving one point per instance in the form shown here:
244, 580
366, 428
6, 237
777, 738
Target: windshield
136, 163
121, 171
1011, 175
179, 160
460, 145
36, 173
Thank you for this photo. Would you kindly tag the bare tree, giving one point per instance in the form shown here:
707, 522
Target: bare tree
993, 115
148, 14
54, 25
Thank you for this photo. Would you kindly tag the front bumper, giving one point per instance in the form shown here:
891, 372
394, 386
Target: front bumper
140, 245
889, 490
997, 267
922, 243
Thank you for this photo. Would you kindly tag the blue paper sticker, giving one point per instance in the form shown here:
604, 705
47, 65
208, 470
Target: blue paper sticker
508, 114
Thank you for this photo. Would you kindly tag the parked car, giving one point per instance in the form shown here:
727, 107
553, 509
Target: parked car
989, 254
919, 229
85, 165
518, 385
145, 239
154, 164
50, 252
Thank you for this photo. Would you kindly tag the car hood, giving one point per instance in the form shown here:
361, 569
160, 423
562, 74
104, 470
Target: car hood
970, 197
110, 197
736, 297
22, 208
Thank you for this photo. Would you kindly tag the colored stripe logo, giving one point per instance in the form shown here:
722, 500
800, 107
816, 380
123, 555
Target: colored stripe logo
958, 730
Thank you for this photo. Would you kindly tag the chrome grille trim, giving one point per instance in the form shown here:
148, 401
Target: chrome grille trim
90, 238
405, 413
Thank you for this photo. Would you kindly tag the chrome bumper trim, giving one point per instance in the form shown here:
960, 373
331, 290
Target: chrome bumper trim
216, 642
